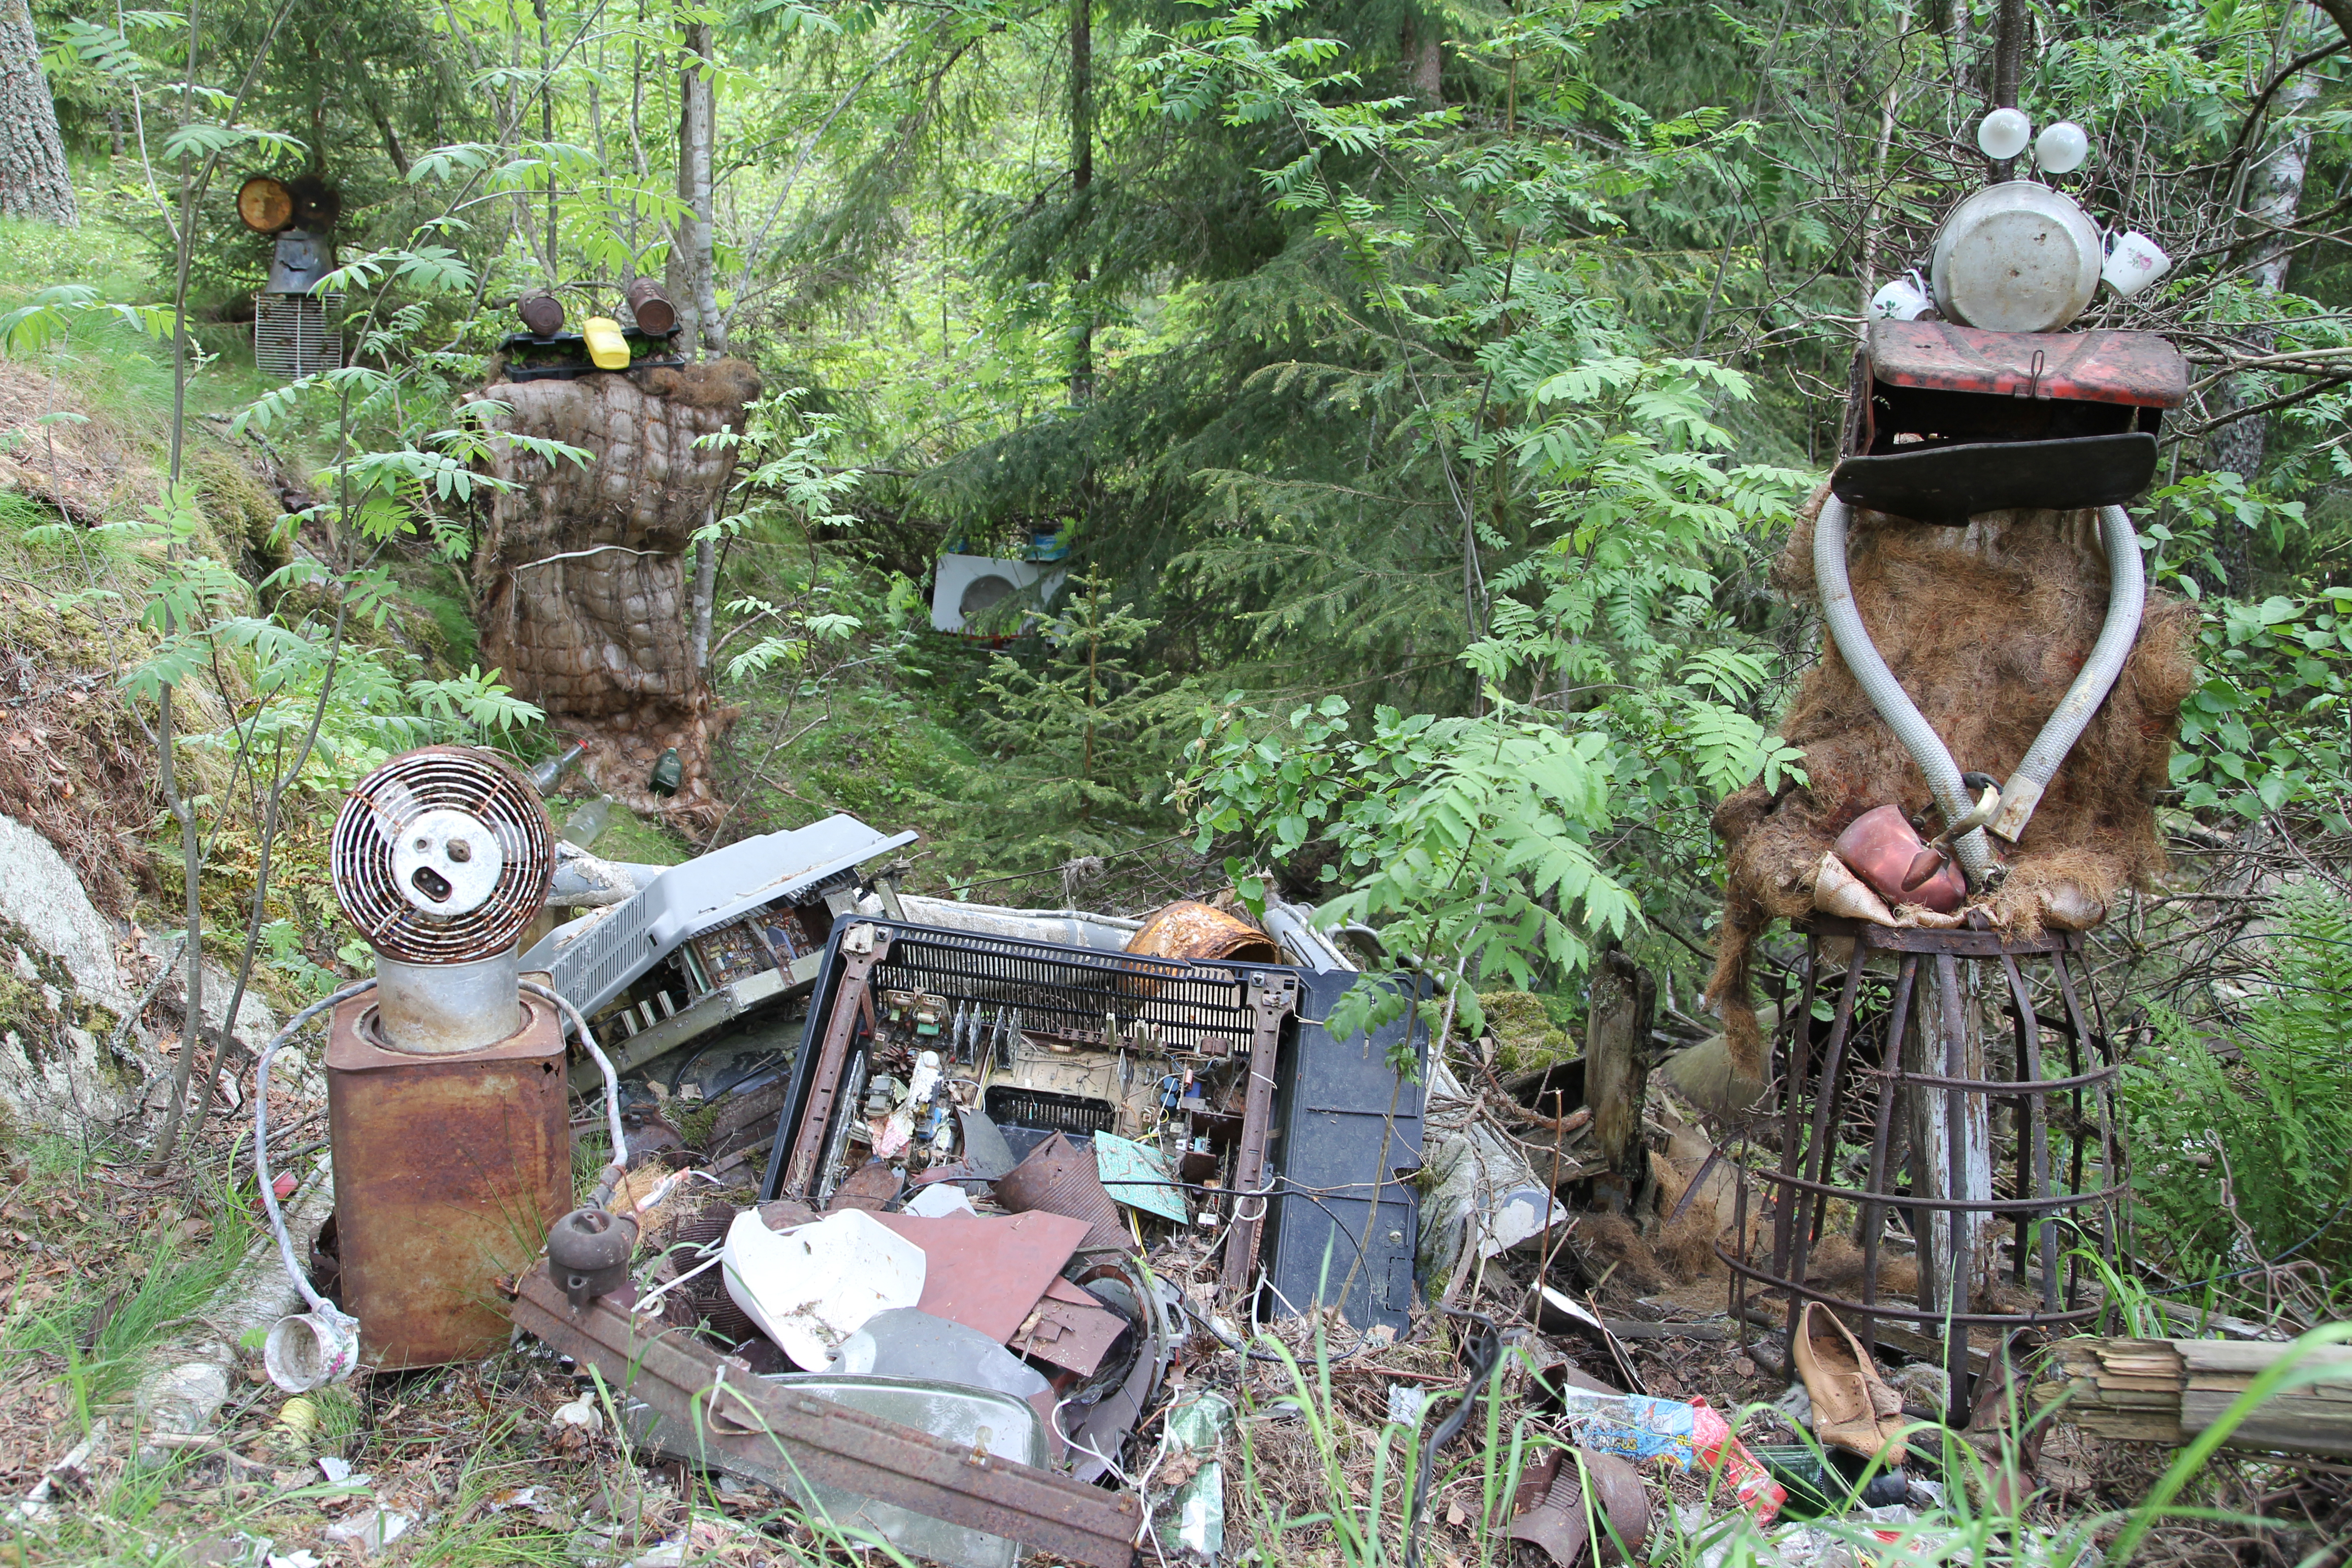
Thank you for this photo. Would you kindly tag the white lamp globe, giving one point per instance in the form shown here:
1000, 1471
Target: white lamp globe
2062, 149
2005, 133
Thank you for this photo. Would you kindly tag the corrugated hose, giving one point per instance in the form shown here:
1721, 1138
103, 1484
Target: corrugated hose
2127, 597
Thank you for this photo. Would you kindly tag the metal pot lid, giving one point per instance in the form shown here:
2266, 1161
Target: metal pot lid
2016, 258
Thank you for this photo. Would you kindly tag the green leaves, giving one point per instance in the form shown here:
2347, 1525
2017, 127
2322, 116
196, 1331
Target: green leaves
1467, 840
54, 312
2269, 727
203, 139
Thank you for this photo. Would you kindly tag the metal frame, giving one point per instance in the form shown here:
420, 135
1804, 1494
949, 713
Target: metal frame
1074, 992
787, 1435
1812, 1102
1274, 997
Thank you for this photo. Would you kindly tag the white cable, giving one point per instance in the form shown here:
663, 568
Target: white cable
294, 1271
604, 1064
646, 1304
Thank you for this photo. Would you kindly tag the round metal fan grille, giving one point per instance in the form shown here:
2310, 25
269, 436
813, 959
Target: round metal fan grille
441, 778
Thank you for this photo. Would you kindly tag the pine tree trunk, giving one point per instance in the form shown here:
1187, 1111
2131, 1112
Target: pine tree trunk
34, 180
1429, 69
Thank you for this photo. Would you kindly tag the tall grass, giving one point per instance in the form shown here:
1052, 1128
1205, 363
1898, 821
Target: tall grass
1355, 1519
98, 1333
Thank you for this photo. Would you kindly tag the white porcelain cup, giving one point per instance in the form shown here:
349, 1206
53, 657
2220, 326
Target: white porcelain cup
2134, 261
1903, 299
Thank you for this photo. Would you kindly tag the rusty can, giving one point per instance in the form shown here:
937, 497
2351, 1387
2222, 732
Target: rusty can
656, 316
1188, 930
448, 1170
541, 312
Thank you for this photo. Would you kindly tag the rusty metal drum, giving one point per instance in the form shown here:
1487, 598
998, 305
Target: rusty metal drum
448, 1170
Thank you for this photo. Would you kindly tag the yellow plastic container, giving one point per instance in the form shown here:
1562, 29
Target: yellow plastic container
607, 349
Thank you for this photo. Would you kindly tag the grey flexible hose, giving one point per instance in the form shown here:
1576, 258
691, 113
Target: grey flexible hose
1886, 694
2126, 600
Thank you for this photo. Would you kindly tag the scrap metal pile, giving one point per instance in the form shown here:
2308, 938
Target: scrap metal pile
910, 1208
980, 1231
1006, 1178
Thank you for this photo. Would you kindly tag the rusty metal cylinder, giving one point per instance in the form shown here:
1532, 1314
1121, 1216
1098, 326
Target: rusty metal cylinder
656, 316
449, 1169
540, 311
1189, 929
441, 1009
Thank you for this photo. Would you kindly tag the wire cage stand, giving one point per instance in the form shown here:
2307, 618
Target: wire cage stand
2075, 1111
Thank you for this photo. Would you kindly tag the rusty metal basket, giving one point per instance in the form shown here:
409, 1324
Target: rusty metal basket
2068, 1170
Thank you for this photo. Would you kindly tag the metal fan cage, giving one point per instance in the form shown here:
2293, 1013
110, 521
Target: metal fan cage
293, 335
441, 777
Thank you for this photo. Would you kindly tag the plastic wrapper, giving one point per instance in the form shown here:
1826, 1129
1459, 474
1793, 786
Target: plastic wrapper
1694, 1436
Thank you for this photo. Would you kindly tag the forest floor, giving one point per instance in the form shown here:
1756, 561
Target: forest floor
514, 1458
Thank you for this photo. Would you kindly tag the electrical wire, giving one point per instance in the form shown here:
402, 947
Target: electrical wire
612, 1173
294, 1271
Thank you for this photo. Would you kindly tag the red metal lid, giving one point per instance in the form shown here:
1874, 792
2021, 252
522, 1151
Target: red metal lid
2138, 369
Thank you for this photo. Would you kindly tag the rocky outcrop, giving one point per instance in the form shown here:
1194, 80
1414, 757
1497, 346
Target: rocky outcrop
62, 993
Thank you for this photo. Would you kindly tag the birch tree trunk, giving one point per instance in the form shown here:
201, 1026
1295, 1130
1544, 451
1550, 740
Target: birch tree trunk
2273, 193
705, 593
698, 133
34, 180
702, 100
690, 276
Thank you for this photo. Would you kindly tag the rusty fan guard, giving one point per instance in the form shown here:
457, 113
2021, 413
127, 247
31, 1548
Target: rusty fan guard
442, 855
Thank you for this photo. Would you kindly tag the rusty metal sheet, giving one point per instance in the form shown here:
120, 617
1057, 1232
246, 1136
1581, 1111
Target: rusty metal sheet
2140, 370
777, 1434
868, 1187
448, 1170
1548, 1508
1059, 1177
1188, 930
987, 1271
1069, 1328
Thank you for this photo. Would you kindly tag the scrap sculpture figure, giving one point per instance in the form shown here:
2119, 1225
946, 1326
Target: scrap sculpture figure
1994, 708
582, 568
